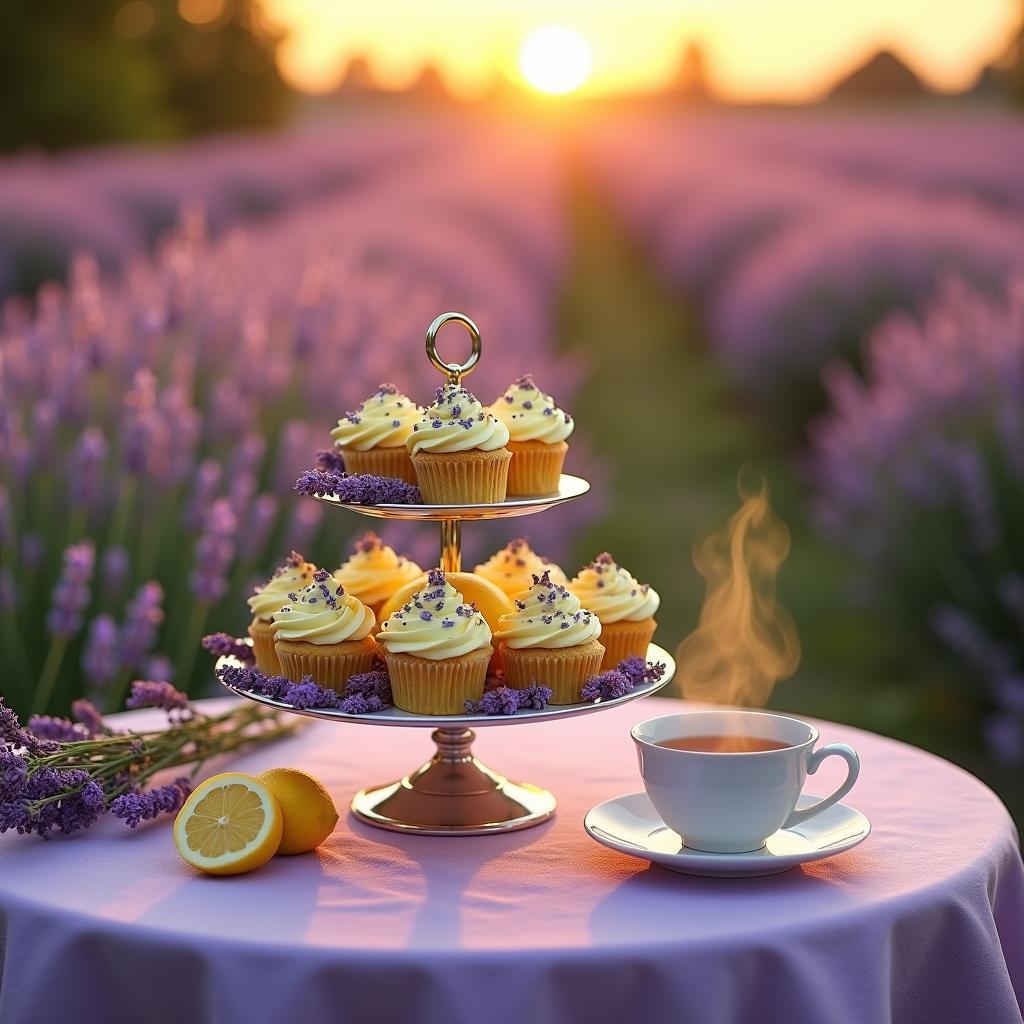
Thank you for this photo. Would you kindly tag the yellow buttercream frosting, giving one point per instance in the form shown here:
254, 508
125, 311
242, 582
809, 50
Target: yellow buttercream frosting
513, 567
456, 422
323, 613
612, 593
374, 571
436, 623
295, 574
531, 415
547, 615
384, 420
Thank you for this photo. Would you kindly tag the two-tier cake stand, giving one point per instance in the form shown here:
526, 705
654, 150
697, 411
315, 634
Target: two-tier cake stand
454, 793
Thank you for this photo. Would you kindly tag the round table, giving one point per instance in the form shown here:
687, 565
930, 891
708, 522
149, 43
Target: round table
924, 922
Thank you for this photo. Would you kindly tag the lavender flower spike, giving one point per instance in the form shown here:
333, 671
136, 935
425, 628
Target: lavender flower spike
152, 694
141, 624
114, 566
134, 808
88, 715
607, 686
101, 658
222, 645
47, 727
86, 467
502, 700
317, 483
214, 552
71, 594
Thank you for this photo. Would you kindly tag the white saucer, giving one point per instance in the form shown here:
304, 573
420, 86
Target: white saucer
630, 825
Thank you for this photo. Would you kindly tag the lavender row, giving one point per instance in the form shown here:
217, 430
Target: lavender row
919, 471
797, 234
153, 422
871, 269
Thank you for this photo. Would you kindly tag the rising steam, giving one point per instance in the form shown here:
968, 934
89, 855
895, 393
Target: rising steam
745, 641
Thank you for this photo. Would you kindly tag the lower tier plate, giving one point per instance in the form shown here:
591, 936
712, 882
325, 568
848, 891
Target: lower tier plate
396, 717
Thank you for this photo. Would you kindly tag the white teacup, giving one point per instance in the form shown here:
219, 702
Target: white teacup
732, 802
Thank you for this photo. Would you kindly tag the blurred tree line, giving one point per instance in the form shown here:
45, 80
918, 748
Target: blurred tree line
74, 72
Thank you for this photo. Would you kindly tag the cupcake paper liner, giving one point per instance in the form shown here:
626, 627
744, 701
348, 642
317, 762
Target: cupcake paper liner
563, 669
462, 478
426, 687
380, 462
622, 639
535, 468
329, 664
262, 633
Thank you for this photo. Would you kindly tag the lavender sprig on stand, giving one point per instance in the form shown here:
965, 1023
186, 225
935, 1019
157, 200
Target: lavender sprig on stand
364, 693
625, 677
358, 489
503, 700
222, 645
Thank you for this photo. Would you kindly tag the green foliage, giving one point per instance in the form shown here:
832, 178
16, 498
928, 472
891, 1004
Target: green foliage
74, 73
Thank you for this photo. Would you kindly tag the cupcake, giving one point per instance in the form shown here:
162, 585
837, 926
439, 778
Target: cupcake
324, 633
513, 567
437, 649
458, 451
550, 639
372, 439
626, 608
538, 431
374, 572
288, 578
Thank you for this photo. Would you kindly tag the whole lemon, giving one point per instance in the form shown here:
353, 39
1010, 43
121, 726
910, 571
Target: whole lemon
307, 808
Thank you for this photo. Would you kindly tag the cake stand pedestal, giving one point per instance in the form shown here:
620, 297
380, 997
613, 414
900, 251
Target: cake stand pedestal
454, 793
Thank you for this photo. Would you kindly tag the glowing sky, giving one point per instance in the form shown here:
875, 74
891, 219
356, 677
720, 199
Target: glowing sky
755, 49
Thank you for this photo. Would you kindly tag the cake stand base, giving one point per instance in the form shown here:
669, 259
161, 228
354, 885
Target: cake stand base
453, 794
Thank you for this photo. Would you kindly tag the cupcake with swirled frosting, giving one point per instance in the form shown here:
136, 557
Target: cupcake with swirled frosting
372, 439
295, 574
374, 572
538, 435
324, 633
513, 567
437, 648
550, 639
458, 451
626, 608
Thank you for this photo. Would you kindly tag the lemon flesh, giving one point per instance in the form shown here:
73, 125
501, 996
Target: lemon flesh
230, 824
491, 601
307, 808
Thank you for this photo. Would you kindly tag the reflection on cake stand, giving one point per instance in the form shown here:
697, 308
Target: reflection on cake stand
454, 793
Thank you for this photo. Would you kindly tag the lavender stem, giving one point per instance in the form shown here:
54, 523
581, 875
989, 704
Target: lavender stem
49, 674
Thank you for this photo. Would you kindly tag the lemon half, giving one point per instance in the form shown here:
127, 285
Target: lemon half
231, 824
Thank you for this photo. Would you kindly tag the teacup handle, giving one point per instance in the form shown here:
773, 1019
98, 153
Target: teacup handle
849, 755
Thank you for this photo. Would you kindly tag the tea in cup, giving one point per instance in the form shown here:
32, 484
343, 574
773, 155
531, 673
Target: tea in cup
727, 780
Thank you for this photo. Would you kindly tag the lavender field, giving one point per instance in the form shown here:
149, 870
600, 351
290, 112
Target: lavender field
835, 299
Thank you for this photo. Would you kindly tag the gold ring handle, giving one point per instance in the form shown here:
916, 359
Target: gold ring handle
454, 371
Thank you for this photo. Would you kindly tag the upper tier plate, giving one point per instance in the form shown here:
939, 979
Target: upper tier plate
395, 716
569, 487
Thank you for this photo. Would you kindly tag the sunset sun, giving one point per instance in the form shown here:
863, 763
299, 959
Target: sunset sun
555, 60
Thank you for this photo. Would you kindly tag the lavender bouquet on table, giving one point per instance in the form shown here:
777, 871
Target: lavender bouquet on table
61, 775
